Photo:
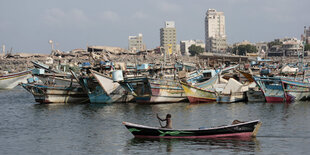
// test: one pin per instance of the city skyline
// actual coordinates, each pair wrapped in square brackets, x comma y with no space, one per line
[27,26]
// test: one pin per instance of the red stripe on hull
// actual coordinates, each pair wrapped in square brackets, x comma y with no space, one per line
[233,135]
[199,100]
[280,99]
[15,74]
[274,99]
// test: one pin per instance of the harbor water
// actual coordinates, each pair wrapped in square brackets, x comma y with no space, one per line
[30,128]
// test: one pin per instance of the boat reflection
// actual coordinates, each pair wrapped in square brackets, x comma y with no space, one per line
[236,145]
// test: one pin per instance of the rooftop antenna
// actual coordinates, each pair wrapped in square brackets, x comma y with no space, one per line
[3,50]
[303,49]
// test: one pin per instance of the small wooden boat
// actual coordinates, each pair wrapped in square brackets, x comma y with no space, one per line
[255,95]
[273,90]
[210,90]
[9,81]
[111,92]
[43,66]
[149,90]
[234,91]
[198,95]
[56,94]
[240,130]
[298,89]
[57,79]
[231,98]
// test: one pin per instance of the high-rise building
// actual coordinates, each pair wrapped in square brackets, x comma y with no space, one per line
[168,39]
[215,31]
[185,44]
[136,43]
[306,35]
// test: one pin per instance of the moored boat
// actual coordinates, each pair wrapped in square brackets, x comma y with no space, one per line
[9,81]
[202,92]
[255,95]
[198,95]
[113,91]
[233,91]
[57,79]
[231,98]
[239,130]
[298,89]
[56,94]
[273,89]
[149,90]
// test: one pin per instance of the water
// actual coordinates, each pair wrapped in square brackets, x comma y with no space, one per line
[30,128]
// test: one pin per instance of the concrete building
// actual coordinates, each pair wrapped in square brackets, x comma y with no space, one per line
[184,45]
[244,42]
[215,35]
[306,36]
[168,38]
[289,47]
[135,43]
[262,47]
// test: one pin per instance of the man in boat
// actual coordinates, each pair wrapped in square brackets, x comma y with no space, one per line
[167,120]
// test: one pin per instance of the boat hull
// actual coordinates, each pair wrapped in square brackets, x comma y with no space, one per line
[102,90]
[300,91]
[198,95]
[10,81]
[273,89]
[255,96]
[233,135]
[147,90]
[241,130]
[57,80]
[231,98]
[56,94]
[274,99]
[110,91]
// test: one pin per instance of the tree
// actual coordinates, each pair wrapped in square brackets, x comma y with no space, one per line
[243,49]
[307,47]
[195,50]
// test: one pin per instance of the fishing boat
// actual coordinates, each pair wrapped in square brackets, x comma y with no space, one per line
[113,92]
[300,91]
[101,88]
[239,130]
[57,79]
[210,90]
[273,90]
[231,98]
[233,91]
[254,95]
[9,81]
[203,92]
[198,95]
[37,64]
[150,90]
[56,93]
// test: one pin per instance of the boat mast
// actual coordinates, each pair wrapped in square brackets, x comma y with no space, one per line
[3,51]
[303,49]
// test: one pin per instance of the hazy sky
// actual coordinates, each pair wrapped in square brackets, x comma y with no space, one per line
[28,25]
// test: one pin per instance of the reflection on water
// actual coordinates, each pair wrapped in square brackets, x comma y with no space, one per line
[180,145]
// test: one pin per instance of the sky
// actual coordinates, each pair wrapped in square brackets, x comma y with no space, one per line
[28,25]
